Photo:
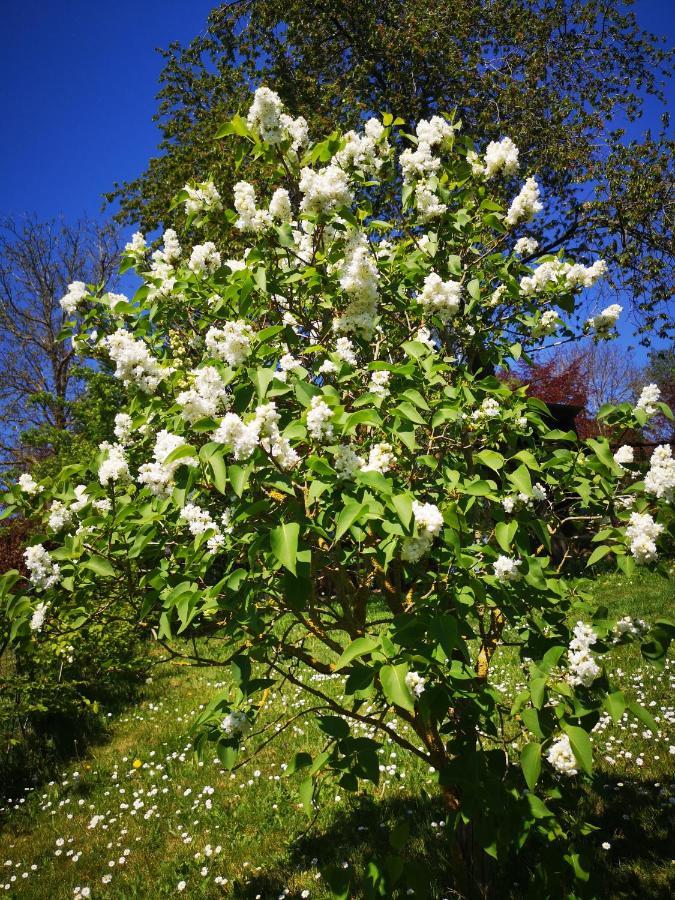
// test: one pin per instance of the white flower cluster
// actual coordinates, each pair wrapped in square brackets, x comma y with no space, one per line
[428,522]
[324,190]
[489,409]
[526,205]
[319,420]
[44,573]
[358,279]
[204,259]
[570,275]
[267,119]
[547,325]
[561,757]
[421,163]
[642,532]
[500,156]
[232,343]
[134,362]
[507,569]
[344,350]
[158,475]
[251,218]
[60,516]
[136,246]
[379,383]
[162,275]
[648,399]
[81,500]
[235,723]
[28,484]
[76,293]
[204,397]
[202,198]
[348,463]
[262,430]
[525,246]
[441,297]
[38,618]
[420,166]
[628,625]
[522,501]
[582,665]
[660,479]
[624,455]
[605,321]
[415,683]
[366,151]
[280,206]
[199,522]
[114,467]
[123,427]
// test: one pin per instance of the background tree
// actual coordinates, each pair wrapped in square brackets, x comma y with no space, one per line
[561,78]
[660,370]
[39,379]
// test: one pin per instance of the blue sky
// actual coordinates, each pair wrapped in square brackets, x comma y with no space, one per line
[78,81]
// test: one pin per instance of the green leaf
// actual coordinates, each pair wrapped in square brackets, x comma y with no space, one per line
[645,717]
[521,479]
[492,459]
[217,465]
[349,514]
[392,679]
[615,704]
[358,647]
[530,761]
[284,543]
[407,411]
[581,746]
[505,532]
[402,503]
[598,554]
[101,566]
[537,689]
[306,792]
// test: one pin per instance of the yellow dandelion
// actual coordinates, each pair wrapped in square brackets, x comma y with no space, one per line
[137,764]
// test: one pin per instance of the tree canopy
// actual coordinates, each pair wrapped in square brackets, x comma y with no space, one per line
[563,79]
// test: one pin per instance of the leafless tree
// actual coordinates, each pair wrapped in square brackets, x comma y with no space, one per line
[37,261]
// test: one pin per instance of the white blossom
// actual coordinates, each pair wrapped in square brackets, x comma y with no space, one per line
[38,617]
[441,297]
[526,205]
[44,573]
[158,475]
[28,484]
[204,397]
[582,665]
[114,467]
[501,156]
[204,259]
[123,427]
[605,321]
[251,218]
[525,246]
[280,206]
[380,458]
[235,723]
[648,399]
[319,416]
[76,293]
[379,382]
[324,190]
[660,479]
[232,343]
[344,350]
[202,198]
[507,569]
[134,363]
[624,455]
[561,757]
[358,279]
[642,532]
[415,683]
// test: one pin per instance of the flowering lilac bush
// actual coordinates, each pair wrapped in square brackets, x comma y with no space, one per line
[318,465]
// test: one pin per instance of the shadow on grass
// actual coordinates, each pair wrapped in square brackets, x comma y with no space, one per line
[635,818]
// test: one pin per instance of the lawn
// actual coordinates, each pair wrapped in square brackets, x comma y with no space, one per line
[138,816]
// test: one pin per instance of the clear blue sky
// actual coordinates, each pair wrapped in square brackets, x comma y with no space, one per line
[78,80]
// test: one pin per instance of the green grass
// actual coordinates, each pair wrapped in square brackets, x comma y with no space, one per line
[267,845]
